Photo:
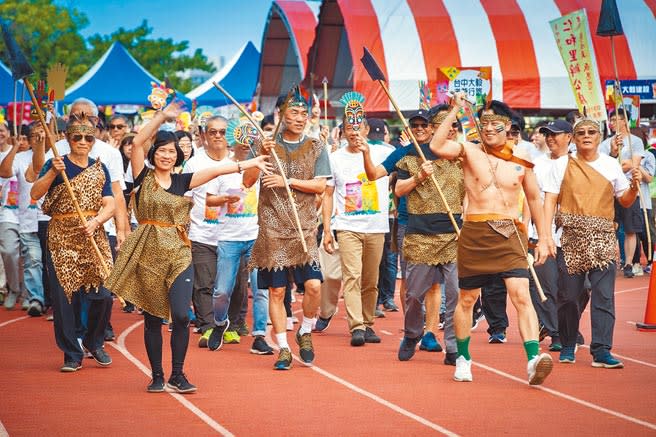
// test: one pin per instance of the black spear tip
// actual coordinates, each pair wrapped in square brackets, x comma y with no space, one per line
[371,66]
[609,19]
[20,68]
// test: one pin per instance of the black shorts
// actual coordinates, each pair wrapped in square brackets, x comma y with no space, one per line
[286,276]
[631,218]
[478,281]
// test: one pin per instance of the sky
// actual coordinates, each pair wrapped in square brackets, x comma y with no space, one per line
[219,27]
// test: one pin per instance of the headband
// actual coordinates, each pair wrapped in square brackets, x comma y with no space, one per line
[489,118]
[587,121]
[83,129]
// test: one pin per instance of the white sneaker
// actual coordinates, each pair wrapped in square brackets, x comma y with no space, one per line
[637,270]
[539,368]
[290,324]
[463,370]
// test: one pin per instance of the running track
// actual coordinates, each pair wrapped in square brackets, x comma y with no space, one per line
[350,391]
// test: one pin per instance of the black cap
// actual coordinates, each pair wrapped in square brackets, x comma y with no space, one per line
[376,129]
[422,113]
[556,127]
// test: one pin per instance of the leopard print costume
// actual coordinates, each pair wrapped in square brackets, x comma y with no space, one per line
[76,264]
[587,242]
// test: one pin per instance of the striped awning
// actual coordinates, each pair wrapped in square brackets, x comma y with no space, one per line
[412,39]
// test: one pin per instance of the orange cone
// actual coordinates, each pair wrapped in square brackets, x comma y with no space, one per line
[650,312]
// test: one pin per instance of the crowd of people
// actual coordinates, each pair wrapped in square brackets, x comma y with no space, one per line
[185,226]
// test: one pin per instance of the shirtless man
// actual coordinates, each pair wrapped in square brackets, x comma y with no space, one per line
[492,240]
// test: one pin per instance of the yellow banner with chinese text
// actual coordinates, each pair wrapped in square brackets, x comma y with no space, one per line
[573,39]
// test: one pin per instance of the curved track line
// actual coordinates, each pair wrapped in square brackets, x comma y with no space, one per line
[3,431]
[628,290]
[570,398]
[373,397]
[12,321]
[120,346]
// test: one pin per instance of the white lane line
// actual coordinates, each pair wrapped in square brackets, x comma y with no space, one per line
[369,395]
[3,430]
[570,398]
[624,357]
[120,346]
[628,290]
[386,332]
[12,321]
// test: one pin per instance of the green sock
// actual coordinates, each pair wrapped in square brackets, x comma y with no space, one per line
[463,347]
[532,348]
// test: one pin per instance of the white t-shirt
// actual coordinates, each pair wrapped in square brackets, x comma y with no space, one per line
[360,205]
[9,198]
[237,221]
[649,164]
[608,167]
[28,209]
[109,156]
[542,169]
[636,148]
[204,220]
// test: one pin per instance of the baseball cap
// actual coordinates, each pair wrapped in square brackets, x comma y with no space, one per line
[556,127]
[422,113]
[376,129]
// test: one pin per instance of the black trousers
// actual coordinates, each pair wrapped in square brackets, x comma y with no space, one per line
[602,305]
[179,299]
[203,258]
[547,311]
[42,232]
[494,300]
[66,318]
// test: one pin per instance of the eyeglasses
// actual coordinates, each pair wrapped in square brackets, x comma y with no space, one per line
[87,138]
[418,125]
[117,126]
[590,132]
[216,132]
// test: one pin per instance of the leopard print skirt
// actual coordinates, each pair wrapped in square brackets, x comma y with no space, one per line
[587,242]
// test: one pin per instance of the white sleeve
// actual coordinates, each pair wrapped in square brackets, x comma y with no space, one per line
[214,186]
[330,182]
[604,147]
[555,176]
[619,181]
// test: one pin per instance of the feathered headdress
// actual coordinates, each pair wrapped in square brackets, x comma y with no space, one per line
[353,108]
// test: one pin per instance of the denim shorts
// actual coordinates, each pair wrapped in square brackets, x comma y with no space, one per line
[288,275]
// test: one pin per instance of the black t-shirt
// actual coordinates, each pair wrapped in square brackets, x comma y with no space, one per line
[179,182]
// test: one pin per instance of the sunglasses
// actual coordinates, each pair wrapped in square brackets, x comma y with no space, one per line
[418,125]
[117,126]
[590,132]
[216,132]
[87,138]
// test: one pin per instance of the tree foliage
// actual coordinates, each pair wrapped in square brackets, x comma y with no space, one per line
[49,33]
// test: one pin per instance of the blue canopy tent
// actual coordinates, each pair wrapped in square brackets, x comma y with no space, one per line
[117,78]
[7,87]
[238,77]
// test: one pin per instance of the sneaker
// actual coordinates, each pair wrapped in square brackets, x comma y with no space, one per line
[628,271]
[290,324]
[202,341]
[129,308]
[2,297]
[260,346]
[35,309]
[284,361]
[463,370]
[555,346]
[101,357]
[306,350]
[10,300]
[25,304]
[539,368]
[156,384]
[407,348]
[637,270]
[497,338]
[607,361]
[478,316]
[70,366]
[440,325]
[429,343]
[370,336]
[50,318]
[109,334]
[357,337]
[379,314]
[215,340]
[323,324]
[231,337]
[85,351]
[567,355]
[180,384]
[543,333]
[647,269]
[389,305]
[450,358]
[242,329]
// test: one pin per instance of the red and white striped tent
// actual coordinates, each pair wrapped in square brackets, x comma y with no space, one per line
[411,39]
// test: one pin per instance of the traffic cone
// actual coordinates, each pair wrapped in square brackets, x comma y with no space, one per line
[650,312]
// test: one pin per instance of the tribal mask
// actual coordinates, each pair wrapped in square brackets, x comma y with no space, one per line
[159,95]
[241,131]
[353,109]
